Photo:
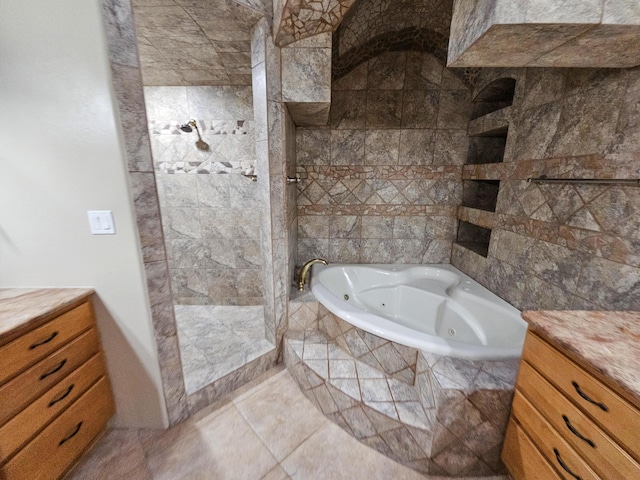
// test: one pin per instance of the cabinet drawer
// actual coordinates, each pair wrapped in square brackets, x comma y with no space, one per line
[29,385]
[53,451]
[557,451]
[19,430]
[523,460]
[614,414]
[40,342]
[601,452]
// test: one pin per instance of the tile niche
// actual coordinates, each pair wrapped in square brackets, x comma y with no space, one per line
[488,131]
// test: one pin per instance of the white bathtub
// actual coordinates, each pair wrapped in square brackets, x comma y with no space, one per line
[435,308]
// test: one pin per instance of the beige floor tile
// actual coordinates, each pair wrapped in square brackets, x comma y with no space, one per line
[332,454]
[115,455]
[154,441]
[220,447]
[277,473]
[281,415]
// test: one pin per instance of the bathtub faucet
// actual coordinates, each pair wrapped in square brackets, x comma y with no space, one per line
[306,271]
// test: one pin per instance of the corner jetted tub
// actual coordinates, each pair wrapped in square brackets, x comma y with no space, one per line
[434,308]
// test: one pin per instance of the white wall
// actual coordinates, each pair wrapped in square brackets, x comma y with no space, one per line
[60,155]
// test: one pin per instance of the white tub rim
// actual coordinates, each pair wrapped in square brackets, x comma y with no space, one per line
[395,332]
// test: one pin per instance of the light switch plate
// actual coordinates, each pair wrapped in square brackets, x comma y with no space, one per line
[101,222]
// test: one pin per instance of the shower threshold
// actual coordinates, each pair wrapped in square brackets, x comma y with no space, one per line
[216,340]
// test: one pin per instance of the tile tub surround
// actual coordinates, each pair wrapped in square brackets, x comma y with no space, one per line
[395,360]
[606,342]
[450,422]
[217,340]
[564,246]
[211,233]
[268,430]
[382,183]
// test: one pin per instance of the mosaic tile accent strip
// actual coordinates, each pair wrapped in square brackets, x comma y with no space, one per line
[211,127]
[450,420]
[298,19]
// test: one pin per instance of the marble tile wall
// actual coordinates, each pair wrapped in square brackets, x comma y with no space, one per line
[565,246]
[275,160]
[209,209]
[382,182]
[195,43]
[306,79]
[127,81]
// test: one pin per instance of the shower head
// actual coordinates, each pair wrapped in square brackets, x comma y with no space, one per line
[188,127]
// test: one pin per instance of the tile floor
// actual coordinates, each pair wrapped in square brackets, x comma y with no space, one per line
[266,430]
[216,340]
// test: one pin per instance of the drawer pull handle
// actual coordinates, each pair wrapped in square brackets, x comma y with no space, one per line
[564,466]
[51,372]
[573,430]
[46,340]
[71,435]
[584,395]
[61,397]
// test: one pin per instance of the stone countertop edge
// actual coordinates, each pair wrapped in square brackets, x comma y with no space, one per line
[607,343]
[22,309]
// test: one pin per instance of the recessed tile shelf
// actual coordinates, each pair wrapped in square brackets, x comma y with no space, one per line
[488,131]
[492,124]
[480,194]
[473,237]
[482,218]
[495,96]
[487,147]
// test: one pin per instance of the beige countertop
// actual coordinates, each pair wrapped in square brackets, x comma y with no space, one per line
[606,342]
[23,308]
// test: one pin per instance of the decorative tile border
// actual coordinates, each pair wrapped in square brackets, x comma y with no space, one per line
[206,127]
[201,168]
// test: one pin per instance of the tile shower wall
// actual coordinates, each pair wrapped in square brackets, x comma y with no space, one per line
[382,183]
[209,209]
[275,154]
[127,82]
[565,246]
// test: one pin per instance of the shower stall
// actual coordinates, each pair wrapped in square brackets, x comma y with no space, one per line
[202,142]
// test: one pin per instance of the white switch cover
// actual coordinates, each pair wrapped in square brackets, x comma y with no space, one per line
[101,222]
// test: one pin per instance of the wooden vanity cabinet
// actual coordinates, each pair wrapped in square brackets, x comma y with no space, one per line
[55,396]
[568,418]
